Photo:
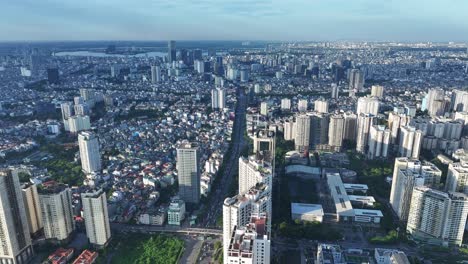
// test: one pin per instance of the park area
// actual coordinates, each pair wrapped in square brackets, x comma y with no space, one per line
[143,249]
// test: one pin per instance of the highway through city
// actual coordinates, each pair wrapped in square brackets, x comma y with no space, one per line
[214,208]
[148,229]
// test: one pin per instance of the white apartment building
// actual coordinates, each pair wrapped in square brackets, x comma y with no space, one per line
[32,206]
[89,152]
[96,218]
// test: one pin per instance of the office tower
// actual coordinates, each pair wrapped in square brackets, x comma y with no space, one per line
[89,152]
[410,142]
[356,80]
[238,210]
[32,206]
[364,123]
[367,105]
[155,74]
[350,126]
[379,140]
[435,100]
[407,174]
[250,243]
[96,218]
[188,172]
[302,138]
[264,108]
[15,241]
[78,123]
[289,130]
[302,105]
[457,177]
[218,98]
[329,253]
[321,106]
[171,51]
[377,91]
[253,171]
[335,91]
[53,75]
[437,217]
[285,104]
[57,212]
[81,109]
[395,122]
[459,101]
[67,112]
[244,75]
[336,131]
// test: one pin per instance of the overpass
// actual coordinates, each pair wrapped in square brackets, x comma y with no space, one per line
[165,229]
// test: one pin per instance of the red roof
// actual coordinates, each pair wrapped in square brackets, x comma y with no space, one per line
[86,257]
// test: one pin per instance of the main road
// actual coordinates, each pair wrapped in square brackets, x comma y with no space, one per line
[215,205]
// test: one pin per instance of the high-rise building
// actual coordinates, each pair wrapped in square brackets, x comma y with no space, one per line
[253,171]
[67,112]
[285,104]
[171,51]
[79,123]
[289,130]
[57,212]
[238,210]
[15,241]
[218,98]
[302,105]
[410,142]
[319,123]
[336,131]
[32,206]
[395,122]
[364,123]
[407,174]
[459,101]
[379,140]
[188,172]
[457,177]
[302,138]
[377,91]
[356,80]
[176,211]
[437,217]
[264,108]
[155,74]
[435,101]
[367,105]
[53,75]
[81,109]
[335,91]
[89,152]
[350,126]
[321,106]
[96,218]
[250,243]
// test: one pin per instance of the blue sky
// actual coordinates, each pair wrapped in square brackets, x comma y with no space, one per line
[373,20]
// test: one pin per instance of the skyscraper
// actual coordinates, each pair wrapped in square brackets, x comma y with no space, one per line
[377,91]
[336,131]
[321,106]
[96,218]
[435,101]
[457,177]
[188,172]
[155,74]
[437,217]
[379,140]
[302,138]
[57,212]
[32,206]
[395,122]
[367,105]
[171,51]
[350,126]
[252,172]
[67,112]
[335,91]
[302,105]
[285,104]
[407,174]
[356,81]
[218,98]
[364,122]
[89,152]
[410,142]
[319,123]
[15,241]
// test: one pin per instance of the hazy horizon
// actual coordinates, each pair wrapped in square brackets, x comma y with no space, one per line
[236,20]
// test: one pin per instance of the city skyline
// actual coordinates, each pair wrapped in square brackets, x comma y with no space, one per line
[298,20]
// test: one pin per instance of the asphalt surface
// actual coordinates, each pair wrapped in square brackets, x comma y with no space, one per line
[214,208]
